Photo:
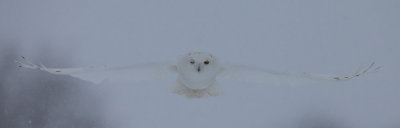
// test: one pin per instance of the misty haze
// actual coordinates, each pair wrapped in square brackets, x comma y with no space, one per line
[328,37]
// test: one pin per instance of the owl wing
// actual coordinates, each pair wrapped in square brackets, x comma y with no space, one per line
[123,74]
[250,74]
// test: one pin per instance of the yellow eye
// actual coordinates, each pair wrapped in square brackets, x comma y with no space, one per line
[206,62]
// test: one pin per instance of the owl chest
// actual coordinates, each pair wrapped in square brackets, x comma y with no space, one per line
[197,81]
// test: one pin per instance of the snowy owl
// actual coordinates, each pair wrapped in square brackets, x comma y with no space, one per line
[197,74]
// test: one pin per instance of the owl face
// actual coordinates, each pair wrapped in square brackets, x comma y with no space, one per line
[198,62]
[198,70]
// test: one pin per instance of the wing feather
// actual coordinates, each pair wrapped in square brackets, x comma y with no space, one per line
[123,74]
[251,74]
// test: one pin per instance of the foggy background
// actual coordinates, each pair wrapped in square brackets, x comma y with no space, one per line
[333,37]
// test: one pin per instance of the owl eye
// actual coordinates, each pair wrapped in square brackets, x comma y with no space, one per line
[192,61]
[206,62]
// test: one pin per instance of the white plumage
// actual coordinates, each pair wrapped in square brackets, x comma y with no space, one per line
[197,74]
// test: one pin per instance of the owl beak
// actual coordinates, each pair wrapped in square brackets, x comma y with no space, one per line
[198,68]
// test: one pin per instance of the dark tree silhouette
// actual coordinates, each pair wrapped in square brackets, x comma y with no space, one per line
[30,98]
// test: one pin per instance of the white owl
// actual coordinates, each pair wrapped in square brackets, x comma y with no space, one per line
[197,74]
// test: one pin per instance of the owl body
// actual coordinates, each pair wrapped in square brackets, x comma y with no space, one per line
[198,70]
[197,73]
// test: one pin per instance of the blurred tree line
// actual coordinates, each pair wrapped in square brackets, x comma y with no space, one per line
[34,99]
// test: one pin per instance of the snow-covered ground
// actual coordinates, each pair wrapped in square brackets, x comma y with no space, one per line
[333,37]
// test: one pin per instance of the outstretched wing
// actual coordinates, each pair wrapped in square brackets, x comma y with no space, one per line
[257,75]
[125,74]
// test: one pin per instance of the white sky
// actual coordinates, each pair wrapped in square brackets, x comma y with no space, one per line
[333,37]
